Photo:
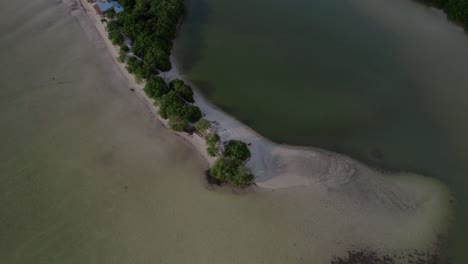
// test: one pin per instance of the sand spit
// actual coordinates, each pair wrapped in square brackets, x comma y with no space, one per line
[385,212]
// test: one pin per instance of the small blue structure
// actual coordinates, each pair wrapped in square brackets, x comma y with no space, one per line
[117,7]
[108,6]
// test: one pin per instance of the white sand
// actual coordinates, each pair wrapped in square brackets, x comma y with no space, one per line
[274,166]
[409,209]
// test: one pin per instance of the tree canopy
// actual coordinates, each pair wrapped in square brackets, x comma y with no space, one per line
[177,110]
[457,10]
[202,125]
[237,149]
[184,90]
[152,26]
[231,166]
[212,141]
[177,123]
[232,171]
[171,104]
[114,33]
[156,87]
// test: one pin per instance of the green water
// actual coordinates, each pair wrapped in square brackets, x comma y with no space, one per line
[382,81]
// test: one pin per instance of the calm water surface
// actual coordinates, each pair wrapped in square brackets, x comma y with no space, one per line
[382,81]
[88,176]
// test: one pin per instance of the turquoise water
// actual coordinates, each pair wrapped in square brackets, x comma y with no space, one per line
[384,82]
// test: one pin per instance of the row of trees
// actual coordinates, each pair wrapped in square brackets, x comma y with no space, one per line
[457,10]
[172,104]
[151,25]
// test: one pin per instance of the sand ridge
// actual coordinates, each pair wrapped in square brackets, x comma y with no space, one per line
[416,209]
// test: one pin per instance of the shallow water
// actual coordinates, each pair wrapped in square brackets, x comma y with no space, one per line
[87,175]
[382,81]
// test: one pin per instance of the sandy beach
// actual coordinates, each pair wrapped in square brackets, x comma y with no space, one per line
[407,210]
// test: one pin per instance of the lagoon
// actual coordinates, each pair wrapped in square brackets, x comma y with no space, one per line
[89,175]
[381,81]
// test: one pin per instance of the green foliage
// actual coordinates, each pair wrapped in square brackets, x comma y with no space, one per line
[212,151]
[110,15]
[185,91]
[202,125]
[457,10]
[122,55]
[177,123]
[156,87]
[237,149]
[243,177]
[171,105]
[232,171]
[103,20]
[139,77]
[114,33]
[127,4]
[212,143]
[191,113]
[113,25]
[125,48]
[224,168]
[135,66]
[231,167]
[212,139]
[116,37]
[152,27]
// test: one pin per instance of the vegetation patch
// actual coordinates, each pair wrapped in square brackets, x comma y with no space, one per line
[202,126]
[212,141]
[230,167]
[237,149]
[456,10]
[151,27]
[184,90]
[122,55]
[231,170]
[114,33]
[155,87]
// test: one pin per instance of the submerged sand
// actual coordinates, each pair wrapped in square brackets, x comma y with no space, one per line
[355,206]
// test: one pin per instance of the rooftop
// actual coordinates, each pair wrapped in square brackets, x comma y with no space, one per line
[117,7]
[110,5]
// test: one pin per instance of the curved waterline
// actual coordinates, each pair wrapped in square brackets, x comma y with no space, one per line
[431,139]
[335,181]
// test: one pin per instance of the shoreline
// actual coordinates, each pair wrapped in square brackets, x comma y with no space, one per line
[334,177]
[265,166]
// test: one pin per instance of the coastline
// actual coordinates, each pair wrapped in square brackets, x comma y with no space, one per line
[333,176]
[194,139]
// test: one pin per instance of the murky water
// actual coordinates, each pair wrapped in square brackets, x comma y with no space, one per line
[382,81]
[87,175]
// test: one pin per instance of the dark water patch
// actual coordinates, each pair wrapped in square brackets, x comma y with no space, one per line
[208,88]
[381,82]
[436,254]
[194,34]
